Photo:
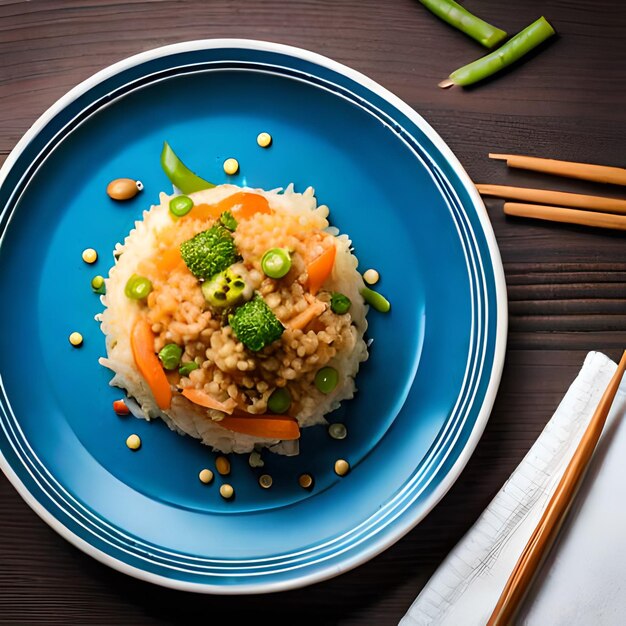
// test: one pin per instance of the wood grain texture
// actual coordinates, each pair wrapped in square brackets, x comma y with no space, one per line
[567,284]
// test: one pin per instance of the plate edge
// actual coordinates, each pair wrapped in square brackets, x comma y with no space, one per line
[501,310]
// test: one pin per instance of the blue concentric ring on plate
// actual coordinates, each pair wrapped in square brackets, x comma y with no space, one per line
[424,395]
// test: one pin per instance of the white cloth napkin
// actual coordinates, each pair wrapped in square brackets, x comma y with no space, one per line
[583,580]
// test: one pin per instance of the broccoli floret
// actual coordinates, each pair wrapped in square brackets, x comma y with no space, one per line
[228,221]
[209,252]
[255,325]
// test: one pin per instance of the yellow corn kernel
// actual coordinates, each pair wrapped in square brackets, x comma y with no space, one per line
[76,339]
[342,467]
[305,481]
[231,166]
[371,277]
[264,139]
[133,442]
[90,255]
[205,476]
[227,491]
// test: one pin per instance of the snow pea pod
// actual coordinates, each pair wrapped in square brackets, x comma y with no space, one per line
[453,13]
[510,52]
[180,175]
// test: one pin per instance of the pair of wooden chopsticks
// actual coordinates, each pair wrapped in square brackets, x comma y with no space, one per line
[557,206]
[554,515]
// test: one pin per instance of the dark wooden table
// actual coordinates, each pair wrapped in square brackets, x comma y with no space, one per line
[566,285]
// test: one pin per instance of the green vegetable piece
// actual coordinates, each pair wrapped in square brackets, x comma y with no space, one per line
[375,300]
[326,379]
[339,303]
[137,287]
[228,221]
[209,252]
[98,286]
[170,356]
[179,174]
[255,325]
[279,401]
[180,205]
[186,368]
[276,262]
[459,17]
[225,289]
[510,52]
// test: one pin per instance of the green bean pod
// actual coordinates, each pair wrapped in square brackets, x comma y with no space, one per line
[453,13]
[376,300]
[510,52]
[180,175]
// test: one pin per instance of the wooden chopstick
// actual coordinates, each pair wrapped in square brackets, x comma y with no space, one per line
[565,215]
[559,198]
[544,534]
[585,171]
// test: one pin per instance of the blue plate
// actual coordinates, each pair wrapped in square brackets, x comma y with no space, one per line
[424,395]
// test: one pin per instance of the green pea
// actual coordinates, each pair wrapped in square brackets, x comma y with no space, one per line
[279,401]
[170,356]
[375,300]
[326,379]
[186,368]
[138,287]
[276,262]
[339,303]
[98,286]
[181,205]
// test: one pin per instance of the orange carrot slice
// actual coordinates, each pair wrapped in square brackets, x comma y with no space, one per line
[320,269]
[168,260]
[266,426]
[204,212]
[120,408]
[242,205]
[148,364]
[202,398]
[303,319]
